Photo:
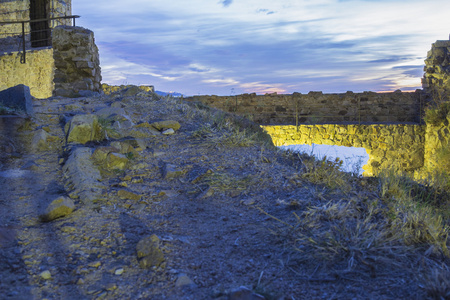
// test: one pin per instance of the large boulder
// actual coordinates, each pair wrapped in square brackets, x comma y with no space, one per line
[83,128]
[17,99]
[83,179]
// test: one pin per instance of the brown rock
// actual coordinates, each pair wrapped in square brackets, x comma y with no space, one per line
[58,208]
[124,194]
[148,252]
[116,161]
[166,125]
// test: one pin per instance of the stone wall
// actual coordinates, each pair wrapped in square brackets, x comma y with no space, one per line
[398,146]
[13,11]
[37,73]
[437,138]
[437,70]
[109,89]
[316,107]
[19,10]
[77,62]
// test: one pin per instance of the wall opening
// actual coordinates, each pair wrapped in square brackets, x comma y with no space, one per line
[40,31]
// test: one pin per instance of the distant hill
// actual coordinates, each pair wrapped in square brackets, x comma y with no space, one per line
[174,94]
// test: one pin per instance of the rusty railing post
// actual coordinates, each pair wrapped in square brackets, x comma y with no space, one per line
[23,58]
[296,113]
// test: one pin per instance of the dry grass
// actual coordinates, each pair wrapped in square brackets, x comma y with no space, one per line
[325,173]
[223,181]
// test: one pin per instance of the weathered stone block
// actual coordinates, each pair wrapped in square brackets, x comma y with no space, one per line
[17,98]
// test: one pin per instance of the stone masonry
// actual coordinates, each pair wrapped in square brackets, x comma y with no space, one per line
[437,70]
[77,62]
[316,107]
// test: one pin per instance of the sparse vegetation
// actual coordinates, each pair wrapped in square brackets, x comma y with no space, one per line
[438,108]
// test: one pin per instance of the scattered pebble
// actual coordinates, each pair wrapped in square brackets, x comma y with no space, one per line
[46,275]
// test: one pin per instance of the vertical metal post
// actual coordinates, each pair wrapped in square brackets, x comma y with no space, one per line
[296,113]
[23,59]
[73,21]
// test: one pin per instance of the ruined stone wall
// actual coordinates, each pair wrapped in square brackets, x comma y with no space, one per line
[400,146]
[9,34]
[13,11]
[77,62]
[37,73]
[436,79]
[19,10]
[437,138]
[316,107]
[109,89]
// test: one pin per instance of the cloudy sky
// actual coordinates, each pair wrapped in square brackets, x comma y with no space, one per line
[225,47]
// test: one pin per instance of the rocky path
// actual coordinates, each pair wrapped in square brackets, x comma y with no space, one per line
[181,219]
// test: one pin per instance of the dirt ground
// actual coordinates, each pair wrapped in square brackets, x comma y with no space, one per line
[222,220]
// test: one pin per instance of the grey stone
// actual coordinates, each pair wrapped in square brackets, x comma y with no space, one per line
[42,141]
[184,281]
[17,98]
[166,125]
[171,171]
[169,131]
[108,111]
[83,176]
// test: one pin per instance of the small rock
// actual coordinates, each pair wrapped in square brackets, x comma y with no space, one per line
[80,281]
[46,275]
[59,207]
[139,166]
[169,131]
[166,125]
[95,264]
[118,271]
[171,171]
[141,132]
[248,202]
[116,161]
[148,252]
[101,153]
[102,295]
[123,147]
[206,193]
[184,281]
[68,229]
[111,287]
[39,140]
[124,194]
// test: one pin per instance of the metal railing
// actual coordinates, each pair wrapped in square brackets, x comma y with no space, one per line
[38,37]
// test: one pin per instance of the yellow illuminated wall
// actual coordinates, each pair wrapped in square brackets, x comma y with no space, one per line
[400,147]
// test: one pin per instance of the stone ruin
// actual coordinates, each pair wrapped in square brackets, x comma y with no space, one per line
[77,62]
[436,79]
[59,60]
